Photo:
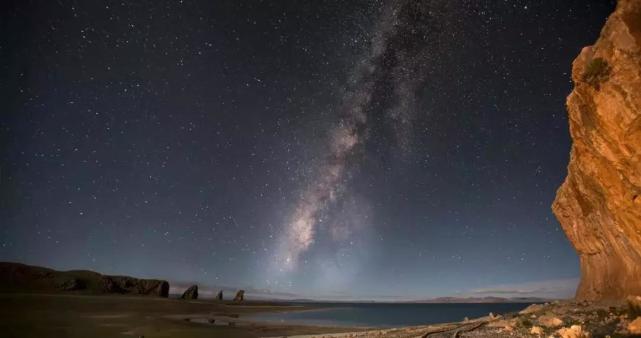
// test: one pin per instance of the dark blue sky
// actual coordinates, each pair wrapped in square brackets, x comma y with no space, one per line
[182,139]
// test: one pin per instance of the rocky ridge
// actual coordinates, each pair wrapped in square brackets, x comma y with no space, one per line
[16,277]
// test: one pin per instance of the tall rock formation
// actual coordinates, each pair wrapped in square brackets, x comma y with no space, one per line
[240,296]
[190,293]
[599,204]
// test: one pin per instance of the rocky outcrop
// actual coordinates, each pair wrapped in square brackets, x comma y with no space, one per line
[599,204]
[15,277]
[72,284]
[190,293]
[130,285]
[240,296]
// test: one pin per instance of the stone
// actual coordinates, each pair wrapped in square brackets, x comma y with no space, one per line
[240,296]
[634,305]
[634,327]
[599,203]
[531,309]
[550,321]
[574,331]
[507,329]
[190,293]
[219,296]
[537,330]
[503,324]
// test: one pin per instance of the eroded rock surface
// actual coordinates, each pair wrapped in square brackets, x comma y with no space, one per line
[599,204]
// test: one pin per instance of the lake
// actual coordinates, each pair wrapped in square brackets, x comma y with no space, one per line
[386,314]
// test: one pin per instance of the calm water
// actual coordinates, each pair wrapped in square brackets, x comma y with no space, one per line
[387,315]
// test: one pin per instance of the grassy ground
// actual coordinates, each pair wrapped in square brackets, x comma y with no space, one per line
[41,315]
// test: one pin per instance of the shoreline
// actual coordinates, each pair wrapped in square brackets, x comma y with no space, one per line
[98,316]
[64,315]
[310,330]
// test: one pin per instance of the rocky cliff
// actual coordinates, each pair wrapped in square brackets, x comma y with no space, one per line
[16,277]
[599,204]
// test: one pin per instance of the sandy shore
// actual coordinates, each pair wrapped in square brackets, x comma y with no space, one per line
[81,316]
[71,316]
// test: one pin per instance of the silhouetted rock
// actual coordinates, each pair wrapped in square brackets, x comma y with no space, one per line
[130,285]
[190,293]
[219,296]
[634,327]
[599,204]
[240,296]
[16,277]
[72,284]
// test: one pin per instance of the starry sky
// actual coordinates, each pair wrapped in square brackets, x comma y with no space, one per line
[323,149]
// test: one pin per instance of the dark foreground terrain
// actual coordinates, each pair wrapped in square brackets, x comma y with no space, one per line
[41,302]
[55,315]
[59,315]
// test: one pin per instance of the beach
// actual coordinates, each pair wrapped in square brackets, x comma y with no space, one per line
[50,315]
[55,315]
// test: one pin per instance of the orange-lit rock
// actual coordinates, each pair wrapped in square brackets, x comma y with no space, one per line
[599,204]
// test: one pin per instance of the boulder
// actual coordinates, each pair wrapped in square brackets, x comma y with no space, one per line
[634,305]
[574,331]
[190,293]
[599,203]
[550,321]
[537,330]
[634,327]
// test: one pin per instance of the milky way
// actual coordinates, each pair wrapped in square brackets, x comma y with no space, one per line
[381,90]
[407,148]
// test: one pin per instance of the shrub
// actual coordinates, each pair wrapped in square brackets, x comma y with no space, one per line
[596,72]
[525,322]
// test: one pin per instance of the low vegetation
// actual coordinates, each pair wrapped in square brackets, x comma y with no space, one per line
[596,72]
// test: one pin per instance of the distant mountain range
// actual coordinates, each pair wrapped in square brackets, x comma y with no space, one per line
[438,300]
[488,299]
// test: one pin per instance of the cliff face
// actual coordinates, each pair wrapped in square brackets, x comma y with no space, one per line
[15,277]
[599,204]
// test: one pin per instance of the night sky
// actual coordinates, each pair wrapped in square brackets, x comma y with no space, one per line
[324,149]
